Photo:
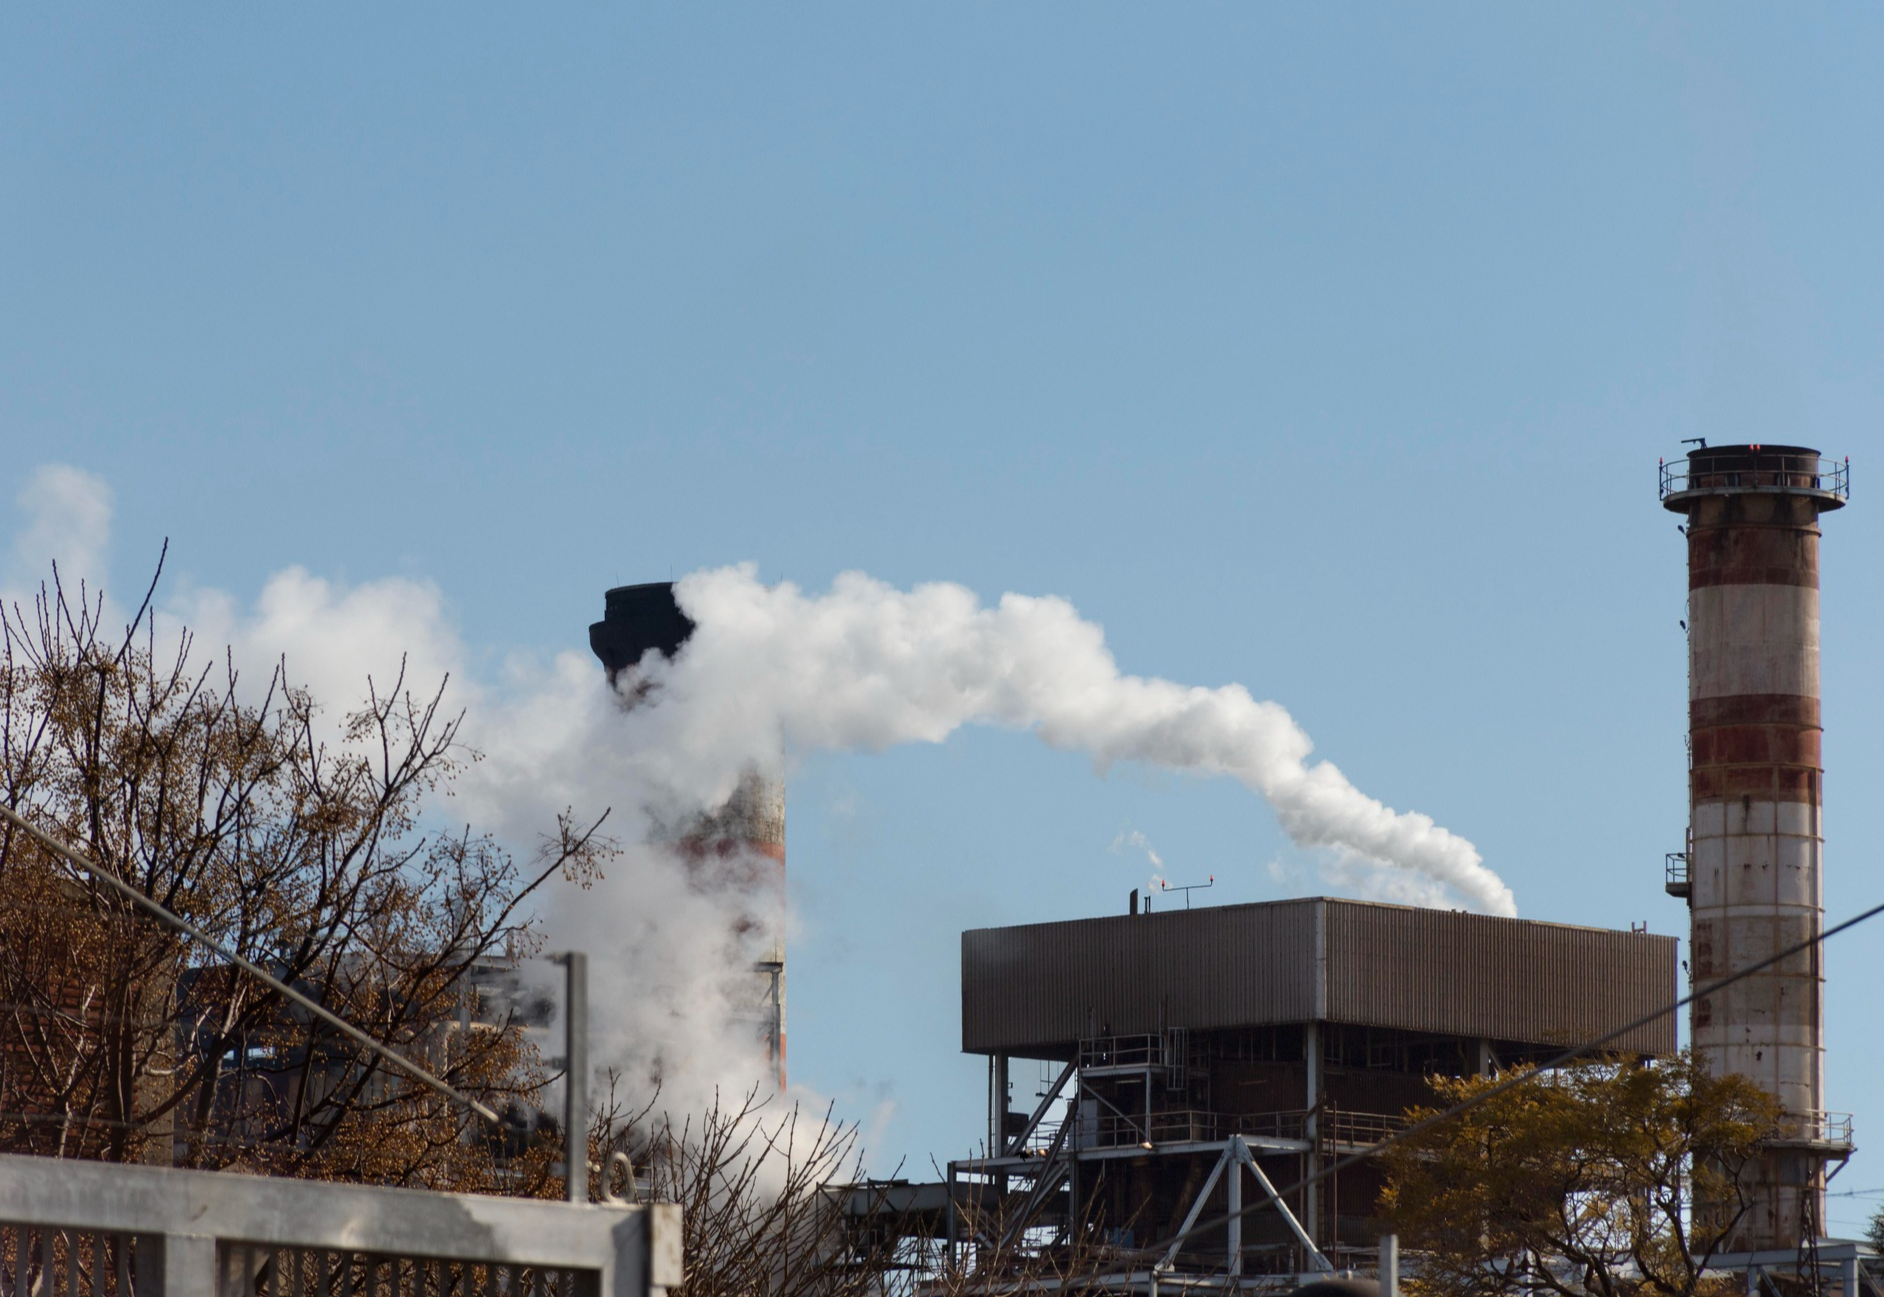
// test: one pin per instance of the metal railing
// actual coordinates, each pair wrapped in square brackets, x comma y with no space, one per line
[1184,1126]
[48,1261]
[69,1228]
[1160,1050]
[1824,1127]
[66,1263]
[1041,1138]
[1112,1130]
[1675,873]
[1336,1125]
[1775,472]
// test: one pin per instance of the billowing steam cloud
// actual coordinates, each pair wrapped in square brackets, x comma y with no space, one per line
[770,675]
[867,667]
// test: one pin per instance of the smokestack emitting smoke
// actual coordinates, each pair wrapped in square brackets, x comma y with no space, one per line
[748,832]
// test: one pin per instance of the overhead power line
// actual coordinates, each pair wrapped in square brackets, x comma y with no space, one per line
[99,873]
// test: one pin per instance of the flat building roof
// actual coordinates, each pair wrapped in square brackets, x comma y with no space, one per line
[1035,990]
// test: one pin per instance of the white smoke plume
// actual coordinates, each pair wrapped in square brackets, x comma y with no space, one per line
[867,667]
[1140,842]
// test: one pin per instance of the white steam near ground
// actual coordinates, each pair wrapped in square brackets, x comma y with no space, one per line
[771,675]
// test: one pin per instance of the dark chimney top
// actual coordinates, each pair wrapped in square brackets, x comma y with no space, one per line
[636,618]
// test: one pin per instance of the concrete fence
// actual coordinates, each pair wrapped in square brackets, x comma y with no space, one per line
[71,1228]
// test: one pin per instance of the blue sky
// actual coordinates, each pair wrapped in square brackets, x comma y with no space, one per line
[1326,349]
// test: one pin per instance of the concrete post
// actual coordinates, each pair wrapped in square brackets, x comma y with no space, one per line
[185,1264]
[576,1074]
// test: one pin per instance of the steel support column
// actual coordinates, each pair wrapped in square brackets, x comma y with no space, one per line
[1311,1129]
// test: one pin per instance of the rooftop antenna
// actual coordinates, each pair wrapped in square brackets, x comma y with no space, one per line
[1188,888]
[1695,441]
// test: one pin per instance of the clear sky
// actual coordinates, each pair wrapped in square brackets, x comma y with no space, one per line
[1328,349]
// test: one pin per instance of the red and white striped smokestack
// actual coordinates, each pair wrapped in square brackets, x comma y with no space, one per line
[746,835]
[1755,830]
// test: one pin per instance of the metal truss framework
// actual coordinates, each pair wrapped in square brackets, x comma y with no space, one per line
[1038,1169]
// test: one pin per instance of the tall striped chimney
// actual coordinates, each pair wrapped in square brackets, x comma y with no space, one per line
[743,839]
[1753,877]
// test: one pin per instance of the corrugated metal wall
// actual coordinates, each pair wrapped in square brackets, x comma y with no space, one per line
[1052,983]
[1035,990]
[1460,974]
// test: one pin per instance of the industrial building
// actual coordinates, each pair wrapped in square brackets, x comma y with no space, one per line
[1205,1059]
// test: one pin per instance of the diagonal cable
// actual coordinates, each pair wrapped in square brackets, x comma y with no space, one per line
[188,929]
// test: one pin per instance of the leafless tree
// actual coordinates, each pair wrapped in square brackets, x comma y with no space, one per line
[316,858]
[750,1177]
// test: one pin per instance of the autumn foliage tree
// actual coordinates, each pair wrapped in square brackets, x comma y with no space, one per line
[304,848]
[1604,1179]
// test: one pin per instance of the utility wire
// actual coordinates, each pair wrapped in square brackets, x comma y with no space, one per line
[188,929]
[1512,1082]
